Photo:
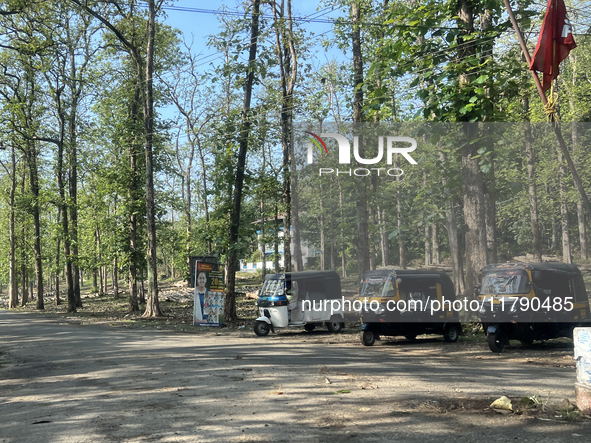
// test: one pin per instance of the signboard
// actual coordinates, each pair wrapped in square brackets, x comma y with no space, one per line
[209,296]
[193,259]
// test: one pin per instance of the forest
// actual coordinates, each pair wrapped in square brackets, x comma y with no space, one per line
[124,151]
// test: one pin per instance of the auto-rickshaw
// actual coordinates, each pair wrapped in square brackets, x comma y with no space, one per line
[400,302]
[299,299]
[531,301]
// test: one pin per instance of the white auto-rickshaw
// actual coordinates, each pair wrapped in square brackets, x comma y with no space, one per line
[300,299]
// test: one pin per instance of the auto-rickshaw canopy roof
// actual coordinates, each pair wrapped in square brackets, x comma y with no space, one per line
[317,284]
[545,266]
[419,275]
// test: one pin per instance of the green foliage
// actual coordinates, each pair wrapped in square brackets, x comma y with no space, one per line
[421,63]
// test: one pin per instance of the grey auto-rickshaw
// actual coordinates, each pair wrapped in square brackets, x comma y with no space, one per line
[299,299]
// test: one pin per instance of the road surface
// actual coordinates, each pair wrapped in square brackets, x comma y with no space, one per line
[65,382]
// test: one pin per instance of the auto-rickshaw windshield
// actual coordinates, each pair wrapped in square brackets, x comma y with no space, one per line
[502,283]
[273,288]
[377,288]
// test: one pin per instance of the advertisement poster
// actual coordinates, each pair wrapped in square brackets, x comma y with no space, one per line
[209,295]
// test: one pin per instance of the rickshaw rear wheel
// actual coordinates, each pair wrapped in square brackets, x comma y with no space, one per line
[496,341]
[368,338]
[261,328]
[451,333]
[335,326]
[309,327]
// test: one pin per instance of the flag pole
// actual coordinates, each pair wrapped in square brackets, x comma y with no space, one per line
[555,124]
[525,51]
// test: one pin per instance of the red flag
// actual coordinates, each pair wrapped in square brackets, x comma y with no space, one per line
[555,42]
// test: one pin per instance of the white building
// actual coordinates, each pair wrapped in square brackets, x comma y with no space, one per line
[307,252]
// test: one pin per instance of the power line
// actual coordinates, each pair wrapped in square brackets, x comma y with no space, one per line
[304,19]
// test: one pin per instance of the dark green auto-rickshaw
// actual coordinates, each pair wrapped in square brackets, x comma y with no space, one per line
[401,302]
[531,301]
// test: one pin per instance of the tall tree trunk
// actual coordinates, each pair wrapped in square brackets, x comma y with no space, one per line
[142,289]
[152,304]
[24,274]
[56,296]
[581,217]
[34,184]
[63,215]
[106,278]
[288,67]
[566,252]
[74,293]
[400,220]
[99,268]
[427,229]
[343,240]
[262,245]
[322,235]
[473,187]
[231,265]
[491,231]
[383,235]
[428,250]
[451,226]
[295,217]
[435,239]
[490,213]
[12,277]
[361,182]
[333,260]
[373,253]
[401,244]
[581,220]
[554,237]
[115,278]
[133,197]
[188,214]
[474,216]
[205,202]
[276,241]
[531,180]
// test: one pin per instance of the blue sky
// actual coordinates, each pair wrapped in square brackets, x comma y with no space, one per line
[200,24]
[197,20]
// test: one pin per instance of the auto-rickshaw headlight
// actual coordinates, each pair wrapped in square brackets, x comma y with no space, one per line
[486,305]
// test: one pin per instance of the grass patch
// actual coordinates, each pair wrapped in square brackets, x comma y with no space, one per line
[570,415]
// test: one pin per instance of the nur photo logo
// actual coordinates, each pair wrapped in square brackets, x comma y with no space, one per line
[394,145]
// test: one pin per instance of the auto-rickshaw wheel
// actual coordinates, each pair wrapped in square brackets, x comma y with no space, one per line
[309,327]
[451,333]
[527,342]
[411,336]
[261,328]
[335,326]
[368,338]
[496,341]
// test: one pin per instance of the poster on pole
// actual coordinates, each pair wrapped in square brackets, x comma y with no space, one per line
[209,296]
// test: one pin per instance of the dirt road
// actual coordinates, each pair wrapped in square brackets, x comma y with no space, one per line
[62,382]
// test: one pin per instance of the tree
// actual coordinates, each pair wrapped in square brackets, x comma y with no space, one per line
[245,126]
[144,79]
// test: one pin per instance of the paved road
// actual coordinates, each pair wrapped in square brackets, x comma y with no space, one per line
[63,382]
